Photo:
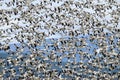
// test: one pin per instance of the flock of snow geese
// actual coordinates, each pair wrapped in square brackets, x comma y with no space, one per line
[59,39]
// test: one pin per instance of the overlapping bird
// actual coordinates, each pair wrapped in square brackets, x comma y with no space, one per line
[59,39]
